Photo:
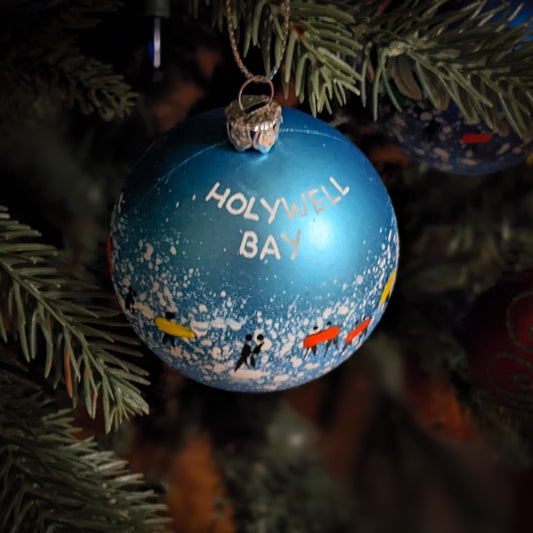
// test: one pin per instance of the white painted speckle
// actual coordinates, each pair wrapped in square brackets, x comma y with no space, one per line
[145,310]
[216,353]
[149,251]
[233,324]
[218,323]
[296,362]
[327,313]
[441,154]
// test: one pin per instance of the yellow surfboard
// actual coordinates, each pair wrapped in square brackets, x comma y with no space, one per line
[174,329]
[388,287]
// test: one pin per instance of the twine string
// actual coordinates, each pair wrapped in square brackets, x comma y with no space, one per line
[285,10]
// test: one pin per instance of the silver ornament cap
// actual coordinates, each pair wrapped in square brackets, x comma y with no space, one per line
[253,121]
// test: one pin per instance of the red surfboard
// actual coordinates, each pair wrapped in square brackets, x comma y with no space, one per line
[356,331]
[477,138]
[321,336]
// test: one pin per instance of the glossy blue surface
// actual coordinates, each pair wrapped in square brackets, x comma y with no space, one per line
[250,271]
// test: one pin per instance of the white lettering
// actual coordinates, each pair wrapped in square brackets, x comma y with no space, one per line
[248,213]
[344,191]
[237,197]
[220,197]
[270,248]
[315,202]
[294,208]
[272,210]
[248,246]
[295,243]
[331,200]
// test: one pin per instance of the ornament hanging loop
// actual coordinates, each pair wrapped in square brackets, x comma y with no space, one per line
[256,79]
[254,121]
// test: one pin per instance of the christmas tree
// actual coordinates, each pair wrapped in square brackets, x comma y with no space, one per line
[425,428]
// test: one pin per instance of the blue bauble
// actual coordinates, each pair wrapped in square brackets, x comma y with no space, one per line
[443,140]
[509,7]
[250,271]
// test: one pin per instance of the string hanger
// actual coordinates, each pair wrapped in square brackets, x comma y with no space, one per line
[254,121]
[285,10]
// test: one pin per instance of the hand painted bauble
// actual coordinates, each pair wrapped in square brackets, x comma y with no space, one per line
[250,271]
[443,140]
[498,336]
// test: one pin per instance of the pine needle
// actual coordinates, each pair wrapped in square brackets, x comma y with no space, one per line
[63,323]
[471,55]
[51,481]
[41,59]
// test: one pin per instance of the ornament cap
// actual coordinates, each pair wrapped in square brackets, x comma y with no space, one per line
[253,121]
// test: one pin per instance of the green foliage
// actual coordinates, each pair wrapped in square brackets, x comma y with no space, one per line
[42,64]
[51,481]
[286,495]
[320,49]
[320,55]
[469,56]
[70,326]
[419,48]
[276,482]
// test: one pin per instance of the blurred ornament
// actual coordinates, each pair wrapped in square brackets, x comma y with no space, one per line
[196,491]
[498,336]
[432,399]
[521,11]
[250,271]
[442,139]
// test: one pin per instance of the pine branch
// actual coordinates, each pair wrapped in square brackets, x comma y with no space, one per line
[50,481]
[470,56]
[67,324]
[320,46]
[43,62]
